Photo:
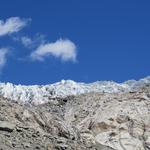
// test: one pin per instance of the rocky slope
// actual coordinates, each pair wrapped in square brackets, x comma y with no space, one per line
[89,121]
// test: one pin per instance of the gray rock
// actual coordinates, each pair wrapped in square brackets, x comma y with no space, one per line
[7,126]
[94,121]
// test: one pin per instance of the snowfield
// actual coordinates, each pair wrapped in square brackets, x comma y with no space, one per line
[39,94]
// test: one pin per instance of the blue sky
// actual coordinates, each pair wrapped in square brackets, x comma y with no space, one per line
[44,41]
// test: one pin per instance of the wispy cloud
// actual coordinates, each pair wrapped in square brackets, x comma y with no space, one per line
[12,25]
[26,41]
[63,49]
[30,42]
[3,57]
[33,42]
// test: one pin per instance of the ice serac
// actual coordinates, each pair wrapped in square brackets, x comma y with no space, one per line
[36,94]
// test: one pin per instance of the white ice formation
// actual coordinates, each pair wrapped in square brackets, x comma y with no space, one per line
[39,94]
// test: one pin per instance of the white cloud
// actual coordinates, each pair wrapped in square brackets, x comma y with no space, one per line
[26,41]
[34,42]
[3,55]
[12,25]
[63,49]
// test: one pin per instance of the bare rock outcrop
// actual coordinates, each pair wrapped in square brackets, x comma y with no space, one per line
[93,121]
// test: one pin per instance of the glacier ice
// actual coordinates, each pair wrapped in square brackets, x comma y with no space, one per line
[39,94]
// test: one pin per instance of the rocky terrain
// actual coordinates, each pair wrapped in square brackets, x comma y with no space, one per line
[89,121]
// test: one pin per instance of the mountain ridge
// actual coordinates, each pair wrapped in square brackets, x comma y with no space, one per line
[39,94]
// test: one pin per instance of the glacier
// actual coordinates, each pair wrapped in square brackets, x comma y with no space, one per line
[40,94]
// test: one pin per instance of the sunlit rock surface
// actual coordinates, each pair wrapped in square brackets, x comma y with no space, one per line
[95,120]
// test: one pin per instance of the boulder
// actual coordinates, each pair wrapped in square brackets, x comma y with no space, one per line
[7,126]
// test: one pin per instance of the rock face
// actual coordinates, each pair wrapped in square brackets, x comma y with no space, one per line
[93,121]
